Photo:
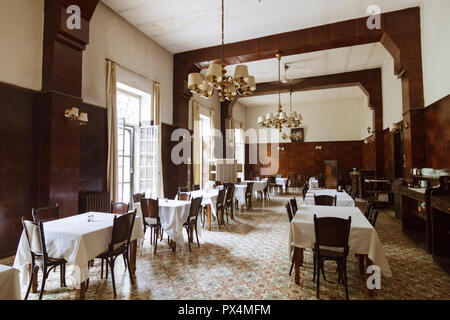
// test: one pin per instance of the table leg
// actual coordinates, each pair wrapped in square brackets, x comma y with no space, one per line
[368,263]
[80,292]
[132,256]
[298,261]
[34,286]
[208,213]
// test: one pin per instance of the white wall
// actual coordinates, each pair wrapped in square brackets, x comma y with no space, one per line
[114,38]
[206,105]
[239,114]
[435,25]
[337,120]
[21,38]
[392,95]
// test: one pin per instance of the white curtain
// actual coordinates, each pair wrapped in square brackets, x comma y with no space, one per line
[157,117]
[197,142]
[111,105]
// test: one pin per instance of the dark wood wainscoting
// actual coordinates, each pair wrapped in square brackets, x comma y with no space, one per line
[369,155]
[437,138]
[305,159]
[94,150]
[19,163]
[388,155]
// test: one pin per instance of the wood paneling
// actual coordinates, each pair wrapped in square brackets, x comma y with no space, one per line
[437,140]
[94,150]
[18,163]
[388,155]
[369,155]
[303,158]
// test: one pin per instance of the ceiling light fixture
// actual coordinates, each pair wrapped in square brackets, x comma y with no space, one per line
[216,77]
[280,119]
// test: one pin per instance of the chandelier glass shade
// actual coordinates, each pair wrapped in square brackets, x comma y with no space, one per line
[280,119]
[217,79]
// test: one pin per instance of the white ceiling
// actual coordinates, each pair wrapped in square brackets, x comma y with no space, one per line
[183,25]
[331,94]
[319,63]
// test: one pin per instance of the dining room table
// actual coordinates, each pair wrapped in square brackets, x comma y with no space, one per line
[363,238]
[173,214]
[343,198]
[209,202]
[77,239]
[9,283]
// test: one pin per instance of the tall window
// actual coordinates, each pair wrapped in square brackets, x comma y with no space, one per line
[137,144]
[239,148]
[205,129]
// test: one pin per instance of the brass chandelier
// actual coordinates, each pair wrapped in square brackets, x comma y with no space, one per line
[216,77]
[280,119]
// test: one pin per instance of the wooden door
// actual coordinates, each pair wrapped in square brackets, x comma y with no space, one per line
[331,174]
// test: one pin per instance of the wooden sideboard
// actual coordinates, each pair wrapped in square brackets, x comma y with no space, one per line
[358,183]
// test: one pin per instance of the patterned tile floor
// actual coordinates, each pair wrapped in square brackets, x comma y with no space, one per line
[247,259]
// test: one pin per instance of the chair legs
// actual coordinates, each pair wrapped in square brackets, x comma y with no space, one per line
[342,274]
[110,261]
[196,234]
[34,270]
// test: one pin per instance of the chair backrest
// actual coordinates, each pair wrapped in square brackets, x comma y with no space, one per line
[119,207]
[150,208]
[34,232]
[294,206]
[138,196]
[196,204]
[305,190]
[46,214]
[287,181]
[325,200]
[195,187]
[289,211]
[122,228]
[298,178]
[184,196]
[373,215]
[249,190]
[368,209]
[221,197]
[230,193]
[332,232]
[218,183]
[182,189]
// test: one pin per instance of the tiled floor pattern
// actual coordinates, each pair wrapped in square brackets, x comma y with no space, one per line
[248,259]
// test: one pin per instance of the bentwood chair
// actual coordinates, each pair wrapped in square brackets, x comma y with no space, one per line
[229,205]
[249,196]
[192,219]
[45,214]
[195,187]
[138,196]
[150,213]
[271,183]
[119,245]
[332,236]
[324,200]
[220,205]
[34,232]
[183,189]
[372,217]
[290,217]
[184,196]
[119,207]
[294,205]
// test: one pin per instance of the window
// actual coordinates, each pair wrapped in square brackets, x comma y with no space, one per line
[137,138]
[239,148]
[205,129]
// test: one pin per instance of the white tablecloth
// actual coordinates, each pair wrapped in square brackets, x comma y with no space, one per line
[76,240]
[9,283]
[209,197]
[343,199]
[239,193]
[313,183]
[257,185]
[173,214]
[363,237]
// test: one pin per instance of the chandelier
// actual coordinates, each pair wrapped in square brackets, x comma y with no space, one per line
[216,77]
[280,118]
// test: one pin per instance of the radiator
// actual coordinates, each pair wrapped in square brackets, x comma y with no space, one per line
[94,201]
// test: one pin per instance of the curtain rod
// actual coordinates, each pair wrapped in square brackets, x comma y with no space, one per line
[131,70]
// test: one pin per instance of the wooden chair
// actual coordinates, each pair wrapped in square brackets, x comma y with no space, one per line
[249,195]
[324,200]
[138,196]
[119,207]
[265,193]
[331,244]
[192,219]
[220,208]
[294,205]
[305,190]
[119,245]
[229,205]
[45,214]
[286,187]
[290,217]
[195,187]
[183,189]
[373,215]
[184,196]
[150,214]
[218,183]
[271,182]
[34,232]
[297,181]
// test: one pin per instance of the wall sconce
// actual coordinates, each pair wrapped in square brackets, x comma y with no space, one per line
[396,127]
[74,114]
[318,148]
[369,139]
[369,130]
[405,124]
[281,149]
